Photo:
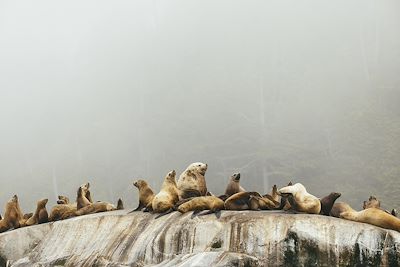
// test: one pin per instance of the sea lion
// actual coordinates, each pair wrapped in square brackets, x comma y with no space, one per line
[40,215]
[64,210]
[300,200]
[13,217]
[191,182]
[165,200]
[327,203]
[272,199]
[81,199]
[212,203]
[262,203]
[274,193]
[240,201]
[233,186]
[96,207]
[285,205]
[61,211]
[146,195]
[338,208]
[373,202]
[373,216]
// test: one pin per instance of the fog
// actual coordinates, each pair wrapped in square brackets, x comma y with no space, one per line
[108,93]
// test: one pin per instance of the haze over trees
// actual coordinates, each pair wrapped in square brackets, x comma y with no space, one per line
[108,93]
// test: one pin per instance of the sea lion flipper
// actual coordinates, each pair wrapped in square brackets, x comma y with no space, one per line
[139,207]
[218,214]
[164,213]
[195,213]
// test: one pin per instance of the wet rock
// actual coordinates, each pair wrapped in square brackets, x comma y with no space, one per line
[245,238]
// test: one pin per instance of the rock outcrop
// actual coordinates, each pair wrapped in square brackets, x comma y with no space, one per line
[245,238]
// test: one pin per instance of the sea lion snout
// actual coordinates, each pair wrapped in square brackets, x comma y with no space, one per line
[236,176]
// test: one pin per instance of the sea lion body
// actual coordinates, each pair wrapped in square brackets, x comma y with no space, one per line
[96,207]
[212,203]
[146,194]
[40,215]
[373,216]
[262,203]
[240,201]
[233,186]
[13,217]
[83,198]
[60,211]
[340,207]
[168,195]
[191,182]
[327,203]
[300,199]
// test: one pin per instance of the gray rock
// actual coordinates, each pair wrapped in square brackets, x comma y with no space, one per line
[245,238]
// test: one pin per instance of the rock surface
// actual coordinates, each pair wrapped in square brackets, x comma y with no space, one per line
[246,238]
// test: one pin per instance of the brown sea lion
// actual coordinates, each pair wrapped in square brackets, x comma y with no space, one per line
[165,200]
[13,217]
[240,201]
[300,200]
[262,203]
[96,207]
[191,182]
[146,195]
[40,215]
[274,193]
[327,203]
[373,202]
[373,216]
[212,203]
[233,186]
[62,211]
[285,205]
[81,199]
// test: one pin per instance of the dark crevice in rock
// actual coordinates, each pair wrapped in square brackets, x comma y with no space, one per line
[3,262]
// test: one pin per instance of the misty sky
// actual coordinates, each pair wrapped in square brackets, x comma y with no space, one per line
[108,92]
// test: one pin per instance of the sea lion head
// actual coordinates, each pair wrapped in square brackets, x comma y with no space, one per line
[84,189]
[236,177]
[198,167]
[335,195]
[171,176]
[140,183]
[42,203]
[63,200]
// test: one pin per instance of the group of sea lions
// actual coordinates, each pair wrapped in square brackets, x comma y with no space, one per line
[189,193]
[14,217]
